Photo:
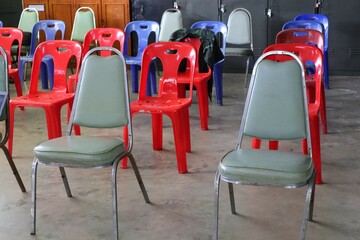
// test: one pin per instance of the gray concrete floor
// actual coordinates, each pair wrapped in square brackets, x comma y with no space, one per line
[182,204]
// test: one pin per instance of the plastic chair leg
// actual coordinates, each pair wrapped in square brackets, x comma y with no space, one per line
[326,70]
[218,71]
[157,131]
[203,103]
[134,78]
[124,161]
[316,147]
[17,82]
[179,137]
[12,108]
[323,111]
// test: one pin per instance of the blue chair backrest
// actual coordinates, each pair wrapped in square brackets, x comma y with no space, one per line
[318,18]
[1,24]
[216,27]
[143,30]
[50,28]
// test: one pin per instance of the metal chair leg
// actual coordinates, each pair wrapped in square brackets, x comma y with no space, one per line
[114,199]
[311,209]
[33,197]
[215,235]
[138,177]
[66,183]
[247,72]
[232,199]
[13,168]
[309,195]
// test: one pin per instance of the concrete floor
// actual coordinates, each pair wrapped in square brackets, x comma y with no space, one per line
[182,205]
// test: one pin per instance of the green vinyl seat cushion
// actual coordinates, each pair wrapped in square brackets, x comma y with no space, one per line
[82,151]
[266,167]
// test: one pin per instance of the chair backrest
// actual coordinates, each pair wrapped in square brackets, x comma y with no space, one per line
[216,27]
[171,55]
[197,45]
[83,22]
[4,87]
[1,24]
[50,29]
[104,37]
[61,52]
[171,20]
[307,24]
[28,18]
[8,36]
[240,27]
[105,103]
[143,30]
[276,104]
[321,18]
[299,35]
[309,55]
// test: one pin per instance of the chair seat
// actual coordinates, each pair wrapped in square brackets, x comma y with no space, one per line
[42,98]
[84,151]
[159,104]
[266,167]
[238,52]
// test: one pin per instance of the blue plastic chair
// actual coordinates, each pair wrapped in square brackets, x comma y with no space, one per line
[50,28]
[216,27]
[1,24]
[143,31]
[325,22]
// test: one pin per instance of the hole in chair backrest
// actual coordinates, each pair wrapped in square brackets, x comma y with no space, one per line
[62,49]
[210,27]
[5,34]
[144,26]
[106,35]
[300,34]
[51,25]
[171,51]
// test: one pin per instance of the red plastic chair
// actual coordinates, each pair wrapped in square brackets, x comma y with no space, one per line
[201,84]
[7,38]
[313,37]
[61,51]
[102,37]
[168,101]
[306,53]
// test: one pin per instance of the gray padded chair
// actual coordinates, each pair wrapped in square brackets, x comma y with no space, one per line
[171,20]
[94,91]
[240,38]
[4,116]
[275,108]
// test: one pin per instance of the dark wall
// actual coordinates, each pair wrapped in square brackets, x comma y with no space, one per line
[10,11]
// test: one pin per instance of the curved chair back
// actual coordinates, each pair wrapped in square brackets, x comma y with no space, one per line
[143,30]
[50,29]
[8,36]
[298,35]
[171,55]
[306,53]
[281,74]
[216,27]
[61,52]
[171,20]
[28,18]
[318,18]
[240,27]
[1,24]
[83,22]
[112,92]
[307,24]
[104,37]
